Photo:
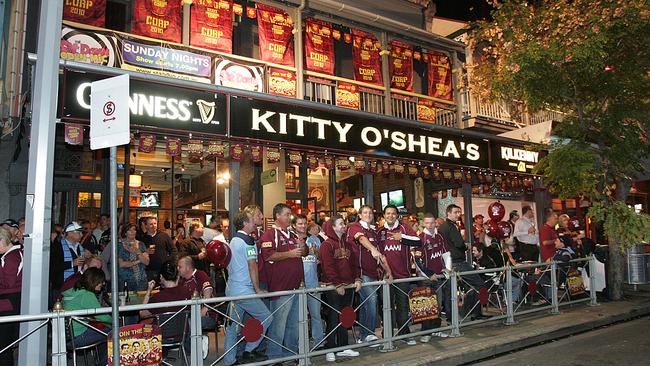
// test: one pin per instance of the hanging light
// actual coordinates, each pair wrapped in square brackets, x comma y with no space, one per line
[135,181]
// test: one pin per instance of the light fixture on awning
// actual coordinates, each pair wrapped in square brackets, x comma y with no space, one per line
[135,181]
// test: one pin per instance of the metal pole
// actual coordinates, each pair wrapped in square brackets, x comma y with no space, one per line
[299,51]
[59,357]
[385,74]
[510,311]
[114,285]
[469,221]
[38,210]
[592,281]
[303,328]
[388,318]
[555,308]
[455,322]
[195,332]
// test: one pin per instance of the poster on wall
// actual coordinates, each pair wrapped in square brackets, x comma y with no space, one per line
[86,12]
[440,85]
[90,47]
[366,58]
[159,19]
[165,61]
[347,95]
[235,73]
[211,24]
[426,110]
[319,46]
[275,29]
[140,344]
[282,82]
[401,65]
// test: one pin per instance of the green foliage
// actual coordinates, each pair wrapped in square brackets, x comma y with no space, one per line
[622,223]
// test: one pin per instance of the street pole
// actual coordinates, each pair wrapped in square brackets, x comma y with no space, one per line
[38,214]
[114,284]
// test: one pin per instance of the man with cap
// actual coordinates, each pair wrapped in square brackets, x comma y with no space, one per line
[11,225]
[66,256]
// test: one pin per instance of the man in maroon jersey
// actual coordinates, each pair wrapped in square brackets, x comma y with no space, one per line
[395,240]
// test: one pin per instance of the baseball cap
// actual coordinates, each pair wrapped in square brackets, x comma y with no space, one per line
[73,226]
[10,222]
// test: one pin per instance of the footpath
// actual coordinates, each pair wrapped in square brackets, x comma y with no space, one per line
[485,340]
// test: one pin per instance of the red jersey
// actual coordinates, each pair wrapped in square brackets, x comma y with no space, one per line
[198,282]
[547,233]
[398,252]
[261,274]
[433,248]
[337,260]
[286,274]
[168,294]
[365,262]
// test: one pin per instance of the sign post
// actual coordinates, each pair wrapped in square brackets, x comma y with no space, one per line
[109,127]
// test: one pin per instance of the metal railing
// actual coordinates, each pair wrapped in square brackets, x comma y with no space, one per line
[500,112]
[545,281]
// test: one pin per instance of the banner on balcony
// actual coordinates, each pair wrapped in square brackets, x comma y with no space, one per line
[211,24]
[365,57]
[401,65]
[426,110]
[275,29]
[440,85]
[86,12]
[235,73]
[89,47]
[347,95]
[160,19]
[319,46]
[282,82]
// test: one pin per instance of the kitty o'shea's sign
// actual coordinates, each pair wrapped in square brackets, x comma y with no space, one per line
[160,19]
[275,29]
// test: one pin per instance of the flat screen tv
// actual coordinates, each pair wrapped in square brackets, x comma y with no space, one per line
[150,199]
[396,198]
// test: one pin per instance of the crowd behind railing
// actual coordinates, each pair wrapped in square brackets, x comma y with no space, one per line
[297,289]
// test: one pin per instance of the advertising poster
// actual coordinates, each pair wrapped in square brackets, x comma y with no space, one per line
[211,24]
[235,73]
[91,12]
[166,61]
[423,304]
[160,19]
[440,76]
[74,134]
[366,58]
[140,345]
[426,110]
[319,46]
[347,95]
[401,65]
[89,47]
[275,35]
[282,82]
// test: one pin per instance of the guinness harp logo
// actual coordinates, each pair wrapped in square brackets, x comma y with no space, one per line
[206,109]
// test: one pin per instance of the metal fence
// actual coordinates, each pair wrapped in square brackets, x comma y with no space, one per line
[503,293]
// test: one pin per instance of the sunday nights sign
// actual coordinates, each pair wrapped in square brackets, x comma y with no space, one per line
[262,120]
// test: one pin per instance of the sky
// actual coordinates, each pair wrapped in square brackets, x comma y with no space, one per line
[467,10]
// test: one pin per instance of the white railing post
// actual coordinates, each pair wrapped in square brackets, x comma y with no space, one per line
[455,321]
[554,301]
[303,328]
[59,357]
[592,281]
[388,318]
[510,311]
[196,358]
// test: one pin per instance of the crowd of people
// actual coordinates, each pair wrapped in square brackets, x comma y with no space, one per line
[349,252]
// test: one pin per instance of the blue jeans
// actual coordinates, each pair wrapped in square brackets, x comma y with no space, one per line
[90,336]
[368,311]
[313,305]
[284,327]
[254,308]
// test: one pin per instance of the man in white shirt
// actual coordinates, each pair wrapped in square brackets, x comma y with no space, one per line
[213,231]
[527,235]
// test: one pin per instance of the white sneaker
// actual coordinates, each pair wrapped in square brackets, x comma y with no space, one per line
[371,338]
[425,339]
[410,342]
[205,346]
[440,334]
[348,353]
[330,357]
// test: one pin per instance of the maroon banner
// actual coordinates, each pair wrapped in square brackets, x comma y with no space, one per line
[295,157]
[426,110]
[147,143]
[74,134]
[195,149]
[398,167]
[401,65]
[160,19]
[238,9]
[440,76]
[360,165]
[275,35]
[211,24]
[85,12]
[365,57]
[237,152]
[256,153]
[426,173]
[347,95]
[216,150]
[319,46]
[373,167]
[343,163]
[413,170]
[282,82]
[173,147]
[312,161]
[272,155]
[328,161]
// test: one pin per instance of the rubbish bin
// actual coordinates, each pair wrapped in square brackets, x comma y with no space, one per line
[637,265]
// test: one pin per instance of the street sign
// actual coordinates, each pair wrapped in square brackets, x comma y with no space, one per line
[109,112]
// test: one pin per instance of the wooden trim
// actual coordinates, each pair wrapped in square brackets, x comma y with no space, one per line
[338,78]
[411,94]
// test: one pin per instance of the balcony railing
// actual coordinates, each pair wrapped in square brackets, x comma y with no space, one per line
[504,114]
